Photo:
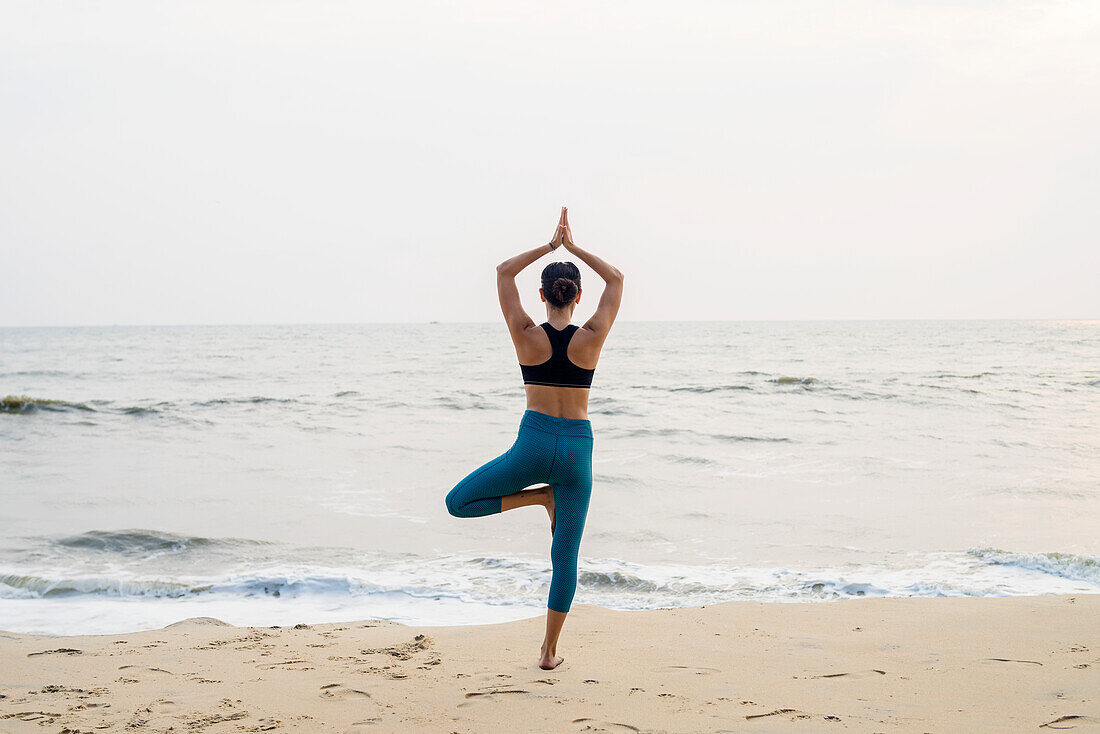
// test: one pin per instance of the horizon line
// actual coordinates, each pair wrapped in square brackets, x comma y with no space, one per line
[501,322]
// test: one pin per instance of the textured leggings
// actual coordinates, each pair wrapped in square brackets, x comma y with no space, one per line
[548,450]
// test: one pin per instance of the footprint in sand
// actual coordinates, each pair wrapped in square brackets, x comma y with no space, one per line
[361,727]
[1069,722]
[597,725]
[286,665]
[696,669]
[337,690]
[790,714]
[856,675]
[162,706]
[58,651]
[495,692]
[404,651]
[144,669]
[199,723]
[794,715]
[492,692]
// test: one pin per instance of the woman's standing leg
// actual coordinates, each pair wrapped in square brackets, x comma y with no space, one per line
[572,493]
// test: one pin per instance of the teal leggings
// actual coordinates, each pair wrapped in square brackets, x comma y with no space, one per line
[548,450]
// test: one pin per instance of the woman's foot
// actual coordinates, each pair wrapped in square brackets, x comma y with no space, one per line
[550,661]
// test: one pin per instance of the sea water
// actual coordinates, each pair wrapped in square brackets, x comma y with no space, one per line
[281,474]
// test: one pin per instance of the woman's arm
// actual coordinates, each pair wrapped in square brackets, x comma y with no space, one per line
[608,306]
[513,266]
[510,305]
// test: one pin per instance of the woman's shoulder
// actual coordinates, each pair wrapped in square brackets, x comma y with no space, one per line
[585,346]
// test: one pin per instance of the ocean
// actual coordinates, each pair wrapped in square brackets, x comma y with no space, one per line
[272,475]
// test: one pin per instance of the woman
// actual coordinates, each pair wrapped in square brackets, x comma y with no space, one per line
[554,446]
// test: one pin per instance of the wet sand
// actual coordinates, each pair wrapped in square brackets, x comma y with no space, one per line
[867,665]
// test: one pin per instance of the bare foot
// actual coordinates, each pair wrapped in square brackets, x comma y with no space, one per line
[549,662]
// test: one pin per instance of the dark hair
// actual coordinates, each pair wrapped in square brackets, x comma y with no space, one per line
[561,282]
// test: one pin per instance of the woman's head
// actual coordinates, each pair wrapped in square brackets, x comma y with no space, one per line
[561,283]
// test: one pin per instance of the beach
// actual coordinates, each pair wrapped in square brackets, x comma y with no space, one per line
[861,665]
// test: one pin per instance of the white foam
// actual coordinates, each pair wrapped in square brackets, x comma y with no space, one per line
[470,590]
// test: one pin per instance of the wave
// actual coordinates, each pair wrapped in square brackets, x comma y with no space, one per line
[709,388]
[669,432]
[18,586]
[734,437]
[730,387]
[253,400]
[685,459]
[607,582]
[952,389]
[1070,566]
[139,410]
[274,585]
[145,542]
[621,581]
[25,404]
[794,380]
[483,579]
[37,373]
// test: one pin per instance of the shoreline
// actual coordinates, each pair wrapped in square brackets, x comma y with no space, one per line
[985,664]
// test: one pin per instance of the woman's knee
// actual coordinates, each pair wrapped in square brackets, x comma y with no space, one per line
[454,503]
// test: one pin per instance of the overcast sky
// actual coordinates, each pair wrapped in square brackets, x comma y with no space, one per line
[315,161]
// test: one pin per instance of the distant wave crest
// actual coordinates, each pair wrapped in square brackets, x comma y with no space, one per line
[26,404]
[690,434]
[140,542]
[794,380]
[709,388]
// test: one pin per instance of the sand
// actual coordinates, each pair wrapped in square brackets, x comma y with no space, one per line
[866,665]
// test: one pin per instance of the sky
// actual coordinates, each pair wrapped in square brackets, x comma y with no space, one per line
[321,161]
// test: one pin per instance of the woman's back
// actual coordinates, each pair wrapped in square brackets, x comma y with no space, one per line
[558,378]
[557,358]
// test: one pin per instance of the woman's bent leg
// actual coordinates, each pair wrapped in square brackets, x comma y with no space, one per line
[480,493]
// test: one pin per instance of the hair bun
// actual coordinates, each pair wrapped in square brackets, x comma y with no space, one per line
[561,282]
[564,289]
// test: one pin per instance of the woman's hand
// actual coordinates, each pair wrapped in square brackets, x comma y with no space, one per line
[559,233]
[567,234]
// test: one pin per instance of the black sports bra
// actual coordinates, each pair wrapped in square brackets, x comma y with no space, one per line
[559,370]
